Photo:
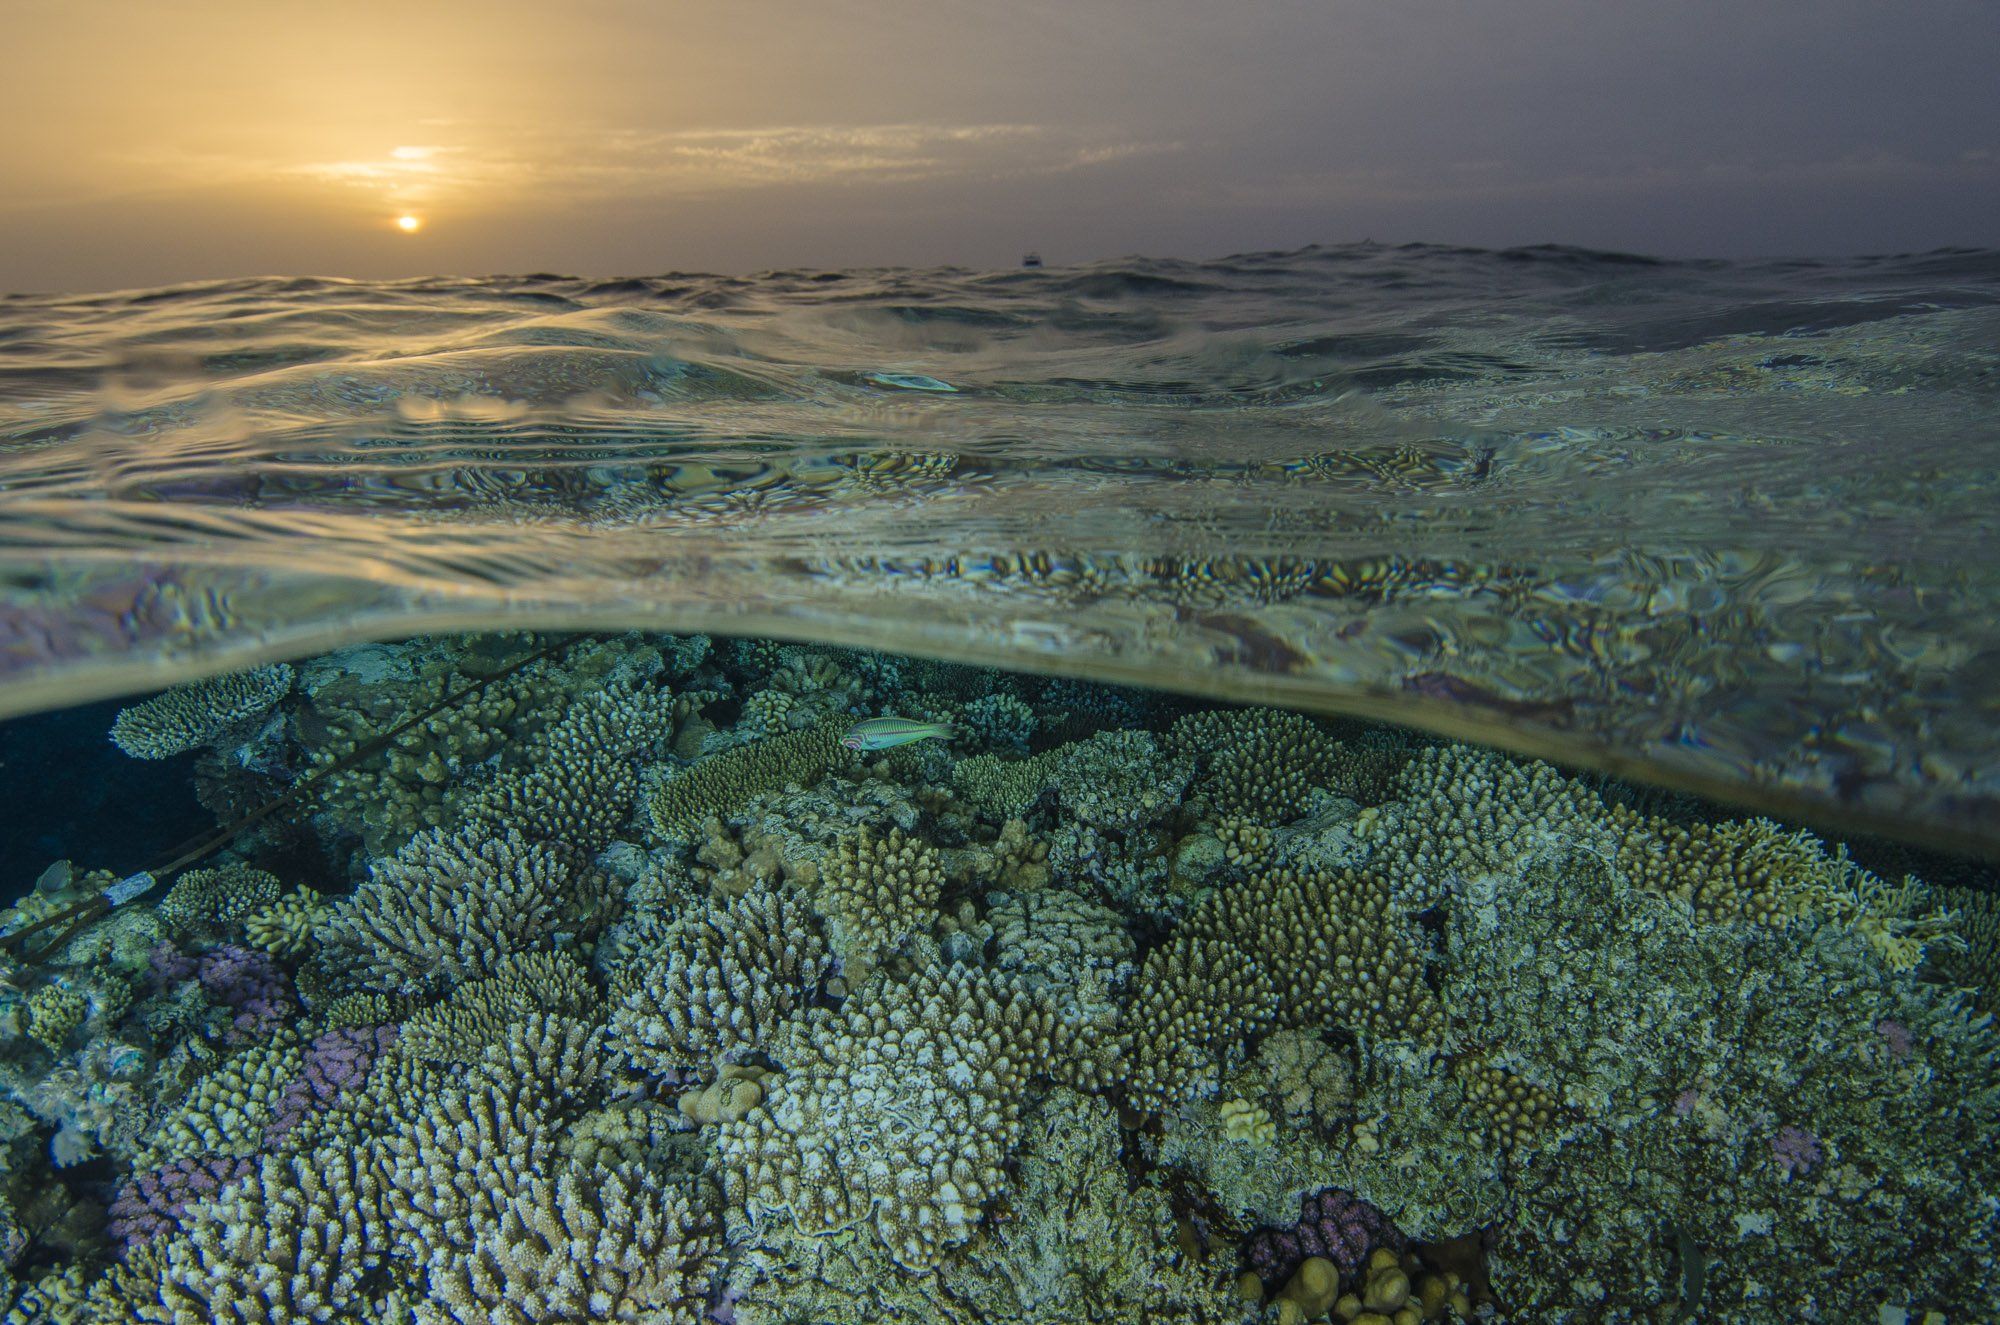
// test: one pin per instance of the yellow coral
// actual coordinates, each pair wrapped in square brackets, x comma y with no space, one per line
[283,928]
[725,782]
[53,1013]
[1244,1121]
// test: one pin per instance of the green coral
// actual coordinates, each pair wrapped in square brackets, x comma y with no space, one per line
[725,782]
[54,1014]
[198,713]
[216,900]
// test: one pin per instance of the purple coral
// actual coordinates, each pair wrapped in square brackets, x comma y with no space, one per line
[1896,1038]
[1797,1150]
[249,984]
[336,1062]
[152,1202]
[1333,1223]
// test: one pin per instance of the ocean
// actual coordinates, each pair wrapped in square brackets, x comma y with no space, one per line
[1371,783]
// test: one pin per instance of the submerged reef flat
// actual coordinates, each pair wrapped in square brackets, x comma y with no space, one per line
[621,988]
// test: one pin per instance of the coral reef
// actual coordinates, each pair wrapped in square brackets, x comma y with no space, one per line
[1334,1224]
[619,990]
[719,983]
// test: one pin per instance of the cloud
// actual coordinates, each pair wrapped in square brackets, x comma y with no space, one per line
[706,161]
[1497,180]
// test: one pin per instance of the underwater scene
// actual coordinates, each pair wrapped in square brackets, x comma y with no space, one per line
[1370,785]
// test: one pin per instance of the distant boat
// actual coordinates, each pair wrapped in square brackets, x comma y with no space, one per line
[1031,259]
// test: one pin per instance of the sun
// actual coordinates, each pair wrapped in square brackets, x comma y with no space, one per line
[409,225]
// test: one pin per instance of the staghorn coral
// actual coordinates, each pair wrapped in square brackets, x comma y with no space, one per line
[295,1240]
[431,773]
[476,1014]
[1282,948]
[1003,788]
[1119,780]
[1686,1048]
[54,1013]
[155,1201]
[1073,950]
[332,1064]
[215,901]
[198,713]
[724,782]
[1462,813]
[447,907]
[998,723]
[1974,964]
[579,778]
[722,979]
[1084,1245]
[1260,764]
[897,1111]
[228,1110]
[579,1244]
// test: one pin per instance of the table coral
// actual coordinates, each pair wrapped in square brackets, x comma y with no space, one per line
[198,713]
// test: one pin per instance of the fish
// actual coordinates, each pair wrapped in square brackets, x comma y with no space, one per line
[881,733]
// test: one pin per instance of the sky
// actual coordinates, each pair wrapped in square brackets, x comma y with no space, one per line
[153,143]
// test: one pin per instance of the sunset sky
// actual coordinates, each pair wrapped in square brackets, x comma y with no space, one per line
[151,143]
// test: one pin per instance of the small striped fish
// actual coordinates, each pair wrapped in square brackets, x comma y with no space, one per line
[881,733]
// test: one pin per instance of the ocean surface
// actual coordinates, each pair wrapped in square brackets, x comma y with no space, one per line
[1369,785]
[1722,525]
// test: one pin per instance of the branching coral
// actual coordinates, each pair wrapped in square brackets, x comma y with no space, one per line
[475,1015]
[875,893]
[723,782]
[1265,765]
[447,907]
[284,928]
[1282,948]
[578,780]
[721,980]
[216,900]
[198,713]
[897,1111]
